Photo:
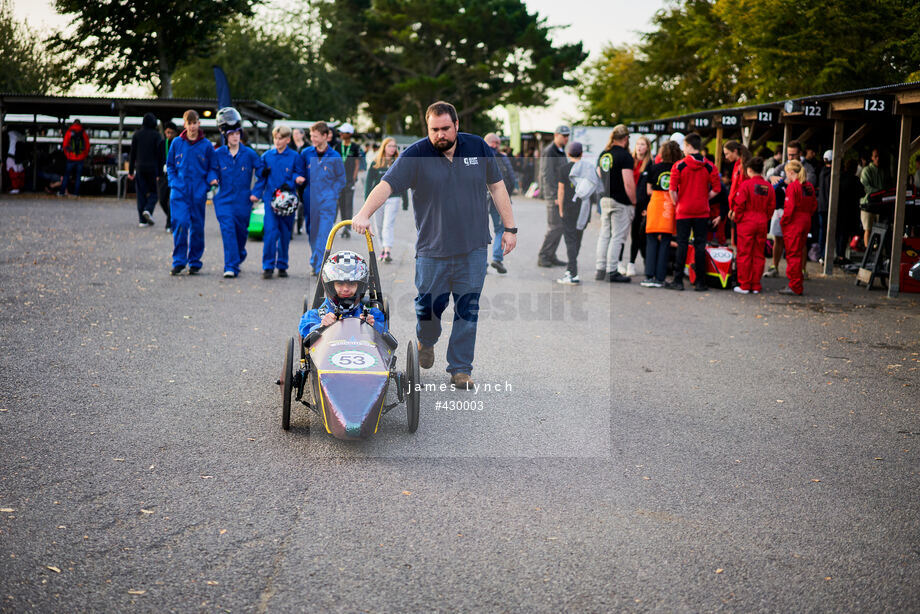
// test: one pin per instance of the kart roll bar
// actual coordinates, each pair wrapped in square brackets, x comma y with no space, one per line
[374,291]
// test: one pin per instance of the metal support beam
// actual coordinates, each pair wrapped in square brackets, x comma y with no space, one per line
[121,129]
[34,150]
[900,200]
[830,241]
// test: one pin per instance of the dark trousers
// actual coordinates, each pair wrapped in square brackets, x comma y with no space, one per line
[346,201]
[145,184]
[572,235]
[163,187]
[637,234]
[656,255]
[300,211]
[74,167]
[554,232]
[700,228]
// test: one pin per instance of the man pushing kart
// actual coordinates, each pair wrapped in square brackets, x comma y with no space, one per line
[450,173]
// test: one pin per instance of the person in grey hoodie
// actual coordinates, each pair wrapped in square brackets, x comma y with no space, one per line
[145,165]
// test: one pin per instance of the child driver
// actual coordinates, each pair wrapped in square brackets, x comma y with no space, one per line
[344,277]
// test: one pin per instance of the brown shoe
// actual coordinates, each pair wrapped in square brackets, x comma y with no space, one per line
[425,356]
[462,381]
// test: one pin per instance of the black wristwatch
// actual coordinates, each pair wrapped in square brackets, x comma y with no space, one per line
[512,230]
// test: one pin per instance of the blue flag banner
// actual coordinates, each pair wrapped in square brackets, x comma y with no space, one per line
[223,88]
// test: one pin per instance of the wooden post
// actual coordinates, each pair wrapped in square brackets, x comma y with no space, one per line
[787,136]
[719,148]
[900,199]
[34,150]
[830,241]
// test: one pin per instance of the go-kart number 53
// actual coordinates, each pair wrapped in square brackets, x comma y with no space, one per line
[353,359]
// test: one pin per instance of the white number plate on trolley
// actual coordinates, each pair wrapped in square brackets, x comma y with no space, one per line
[353,359]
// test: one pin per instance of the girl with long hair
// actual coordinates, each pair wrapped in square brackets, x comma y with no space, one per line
[385,218]
[642,158]
[801,204]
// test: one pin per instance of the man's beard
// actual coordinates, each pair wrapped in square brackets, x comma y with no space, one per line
[443,144]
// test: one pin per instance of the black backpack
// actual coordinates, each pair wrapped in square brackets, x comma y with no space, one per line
[76,142]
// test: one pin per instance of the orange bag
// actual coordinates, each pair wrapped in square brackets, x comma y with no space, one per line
[660,214]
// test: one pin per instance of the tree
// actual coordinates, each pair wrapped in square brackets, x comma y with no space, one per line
[716,53]
[25,65]
[273,63]
[614,89]
[114,43]
[478,54]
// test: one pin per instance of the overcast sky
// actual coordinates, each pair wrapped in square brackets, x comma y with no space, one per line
[594,23]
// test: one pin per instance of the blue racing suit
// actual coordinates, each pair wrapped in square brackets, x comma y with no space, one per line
[187,166]
[231,203]
[277,169]
[312,318]
[325,179]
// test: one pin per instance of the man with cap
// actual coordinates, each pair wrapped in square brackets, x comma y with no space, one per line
[618,204]
[551,160]
[349,152]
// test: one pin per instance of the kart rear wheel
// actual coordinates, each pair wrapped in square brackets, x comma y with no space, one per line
[412,392]
[287,382]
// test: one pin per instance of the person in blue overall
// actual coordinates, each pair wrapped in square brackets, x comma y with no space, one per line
[345,277]
[325,179]
[187,166]
[281,166]
[232,167]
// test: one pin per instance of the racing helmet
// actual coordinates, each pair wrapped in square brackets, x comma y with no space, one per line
[285,201]
[228,120]
[345,266]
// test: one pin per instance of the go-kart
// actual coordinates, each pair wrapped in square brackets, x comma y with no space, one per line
[720,266]
[345,369]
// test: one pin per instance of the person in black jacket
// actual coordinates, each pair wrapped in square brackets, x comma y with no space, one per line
[147,159]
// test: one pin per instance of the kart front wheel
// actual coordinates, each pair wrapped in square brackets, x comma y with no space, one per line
[287,382]
[412,385]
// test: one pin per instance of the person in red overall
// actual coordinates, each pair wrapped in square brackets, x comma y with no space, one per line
[754,204]
[801,204]
[738,154]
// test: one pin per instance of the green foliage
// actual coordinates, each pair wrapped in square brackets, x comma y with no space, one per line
[714,53]
[115,42]
[477,54]
[273,61]
[25,66]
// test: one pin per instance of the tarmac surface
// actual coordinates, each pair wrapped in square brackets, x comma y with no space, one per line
[639,450]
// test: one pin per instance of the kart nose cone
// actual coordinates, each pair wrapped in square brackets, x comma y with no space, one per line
[352,404]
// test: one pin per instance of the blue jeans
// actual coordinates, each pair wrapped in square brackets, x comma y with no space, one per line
[497,251]
[72,165]
[439,279]
[657,245]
